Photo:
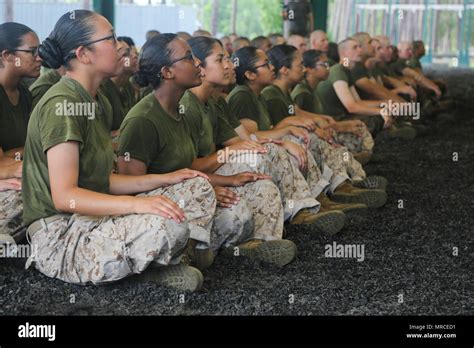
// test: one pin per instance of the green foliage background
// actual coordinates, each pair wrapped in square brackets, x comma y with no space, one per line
[254,17]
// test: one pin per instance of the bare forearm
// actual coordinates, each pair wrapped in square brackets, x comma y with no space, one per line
[85,202]
[287,122]
[274,133]
[129,184]
[395,83]
[372,103]
[207,164]
[364,109]
[242,132]
[220,180]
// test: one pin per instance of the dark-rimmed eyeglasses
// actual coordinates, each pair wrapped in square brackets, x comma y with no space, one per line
[189,57]
[186,57]
[33,51]
[266,65]
[110,37]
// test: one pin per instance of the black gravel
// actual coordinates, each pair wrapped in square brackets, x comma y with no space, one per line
[408,251]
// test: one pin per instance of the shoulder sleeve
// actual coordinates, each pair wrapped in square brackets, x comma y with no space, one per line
[276,109]
[304,101]
[242,106]
[224,130]
[56,126]
[337,74]
[358,72]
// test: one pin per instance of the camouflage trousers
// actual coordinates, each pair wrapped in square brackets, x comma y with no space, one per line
[298,190]
[339,160]
[356,144]
[11,216]
[88,249]
[263,205]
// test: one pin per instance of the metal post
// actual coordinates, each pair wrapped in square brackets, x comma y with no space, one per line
[354,16]
[389,20]
[320,14]
[106,8]
[362,19]
[429,56]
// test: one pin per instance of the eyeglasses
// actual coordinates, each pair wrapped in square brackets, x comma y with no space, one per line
[266,65]
[324,64]
[189,56]
[110,37]
[33,51]
[186,57]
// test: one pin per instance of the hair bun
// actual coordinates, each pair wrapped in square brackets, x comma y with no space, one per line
[51,54]
[141,78]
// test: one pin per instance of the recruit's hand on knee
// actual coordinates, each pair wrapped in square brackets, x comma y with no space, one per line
[225,197]
[183,174]
[159,205]
[299,153]
[248,145]
[242,178]
[300,133]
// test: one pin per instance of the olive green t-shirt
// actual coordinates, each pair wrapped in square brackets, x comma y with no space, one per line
[47,79]
[158,139]
[117,100]
[359,71]
[67,112]
[144,91]
[302,95]
[226,121]
[279,104]
[245,104]
[14,119]
[331,105]
[198,118]
[376,71]
[398,66]
[202,121]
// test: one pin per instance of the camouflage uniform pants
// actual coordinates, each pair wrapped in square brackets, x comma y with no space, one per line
[197,199]
[298,190]
[262,197]
[339,159]
[354,143]
[11,216]
[87,249]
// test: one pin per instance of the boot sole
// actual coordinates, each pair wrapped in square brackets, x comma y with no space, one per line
[377,183]
[184,278]
[372,198]
[276,252]
[356,213]
[330,222]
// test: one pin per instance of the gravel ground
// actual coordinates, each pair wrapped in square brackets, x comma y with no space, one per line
[408,251]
